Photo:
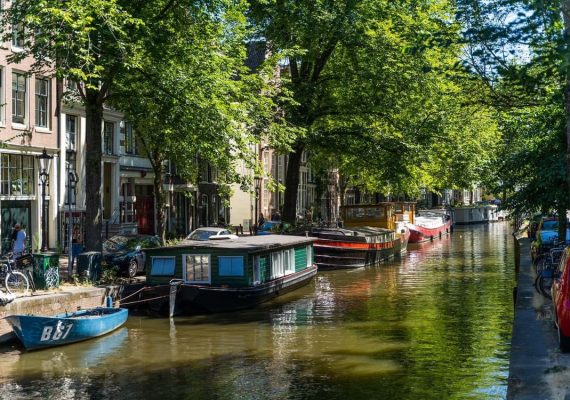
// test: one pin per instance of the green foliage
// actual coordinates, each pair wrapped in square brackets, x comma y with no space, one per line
[109,275]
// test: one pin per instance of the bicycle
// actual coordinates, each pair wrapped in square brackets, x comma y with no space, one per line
[546,268]
[14,281]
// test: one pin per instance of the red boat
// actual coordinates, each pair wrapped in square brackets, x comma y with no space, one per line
[429,226]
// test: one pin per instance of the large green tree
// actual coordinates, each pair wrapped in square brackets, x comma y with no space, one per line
[193,97]
[93,43]
[372,83]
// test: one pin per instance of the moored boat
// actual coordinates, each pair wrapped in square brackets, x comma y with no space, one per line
[226,275]
[372,233]
[37,332]
[428,226]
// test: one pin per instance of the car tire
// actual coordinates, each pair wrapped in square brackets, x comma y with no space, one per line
[564,342]
[132,268]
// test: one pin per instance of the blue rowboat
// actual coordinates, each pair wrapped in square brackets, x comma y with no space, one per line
[36,332]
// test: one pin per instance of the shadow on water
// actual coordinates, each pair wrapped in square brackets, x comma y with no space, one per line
[433,324]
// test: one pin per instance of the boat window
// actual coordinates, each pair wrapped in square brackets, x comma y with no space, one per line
[256,270]
[230,266]
[309,256]
[289,261]
[162,266]
[277,264]
[197,268]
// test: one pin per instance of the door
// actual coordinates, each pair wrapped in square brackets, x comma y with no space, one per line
[145,215]
[16,211]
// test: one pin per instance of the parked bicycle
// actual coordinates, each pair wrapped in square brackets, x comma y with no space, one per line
[15,282]
[546,268]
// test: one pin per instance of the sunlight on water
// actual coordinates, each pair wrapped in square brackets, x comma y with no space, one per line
[434,324]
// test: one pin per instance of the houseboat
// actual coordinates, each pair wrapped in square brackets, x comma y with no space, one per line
[477,214]
[429,225]
[226,275]
[372,233]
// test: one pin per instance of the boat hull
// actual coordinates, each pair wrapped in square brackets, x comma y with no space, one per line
[419,234]
[192,299]
[357,248]
[37,332]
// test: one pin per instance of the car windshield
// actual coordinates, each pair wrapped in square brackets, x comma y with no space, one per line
[117,243]
[550,225]
[201,235]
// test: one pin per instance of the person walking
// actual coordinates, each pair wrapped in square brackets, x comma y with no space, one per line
[19,243]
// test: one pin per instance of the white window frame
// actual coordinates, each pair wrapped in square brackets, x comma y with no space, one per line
[17,39]
[277,269]
[256,275]
[309,255]
[44,97]
[184,273]
[289,261]
[25,100]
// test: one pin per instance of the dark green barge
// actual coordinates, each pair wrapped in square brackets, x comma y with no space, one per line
[226,275]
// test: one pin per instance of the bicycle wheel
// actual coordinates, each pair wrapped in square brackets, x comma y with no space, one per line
[51,277]
[16,282]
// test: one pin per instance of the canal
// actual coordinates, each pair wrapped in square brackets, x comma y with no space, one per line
[434,325]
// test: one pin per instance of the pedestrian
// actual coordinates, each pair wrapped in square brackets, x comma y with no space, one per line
[19,244]
[261,220]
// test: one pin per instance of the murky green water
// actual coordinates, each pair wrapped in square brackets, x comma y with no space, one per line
[434,325]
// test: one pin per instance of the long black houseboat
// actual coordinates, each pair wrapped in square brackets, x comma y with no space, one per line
[226,275]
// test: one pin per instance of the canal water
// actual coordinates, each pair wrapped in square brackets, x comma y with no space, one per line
[434,325]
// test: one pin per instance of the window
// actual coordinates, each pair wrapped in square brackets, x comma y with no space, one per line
[18,98]
[128,137]
[42,102]
[256,270]
[1,94]
[289,261]
[230,266]
[18,35]
[71,132]
[108,130]
[309,256]
[163,266]
[197,268]
[277,269]
[17,177]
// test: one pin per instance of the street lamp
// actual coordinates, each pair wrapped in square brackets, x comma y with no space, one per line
[45,163]
[72,180]
[257,182]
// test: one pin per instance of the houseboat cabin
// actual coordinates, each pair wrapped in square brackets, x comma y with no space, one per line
[224,275]
[382,215]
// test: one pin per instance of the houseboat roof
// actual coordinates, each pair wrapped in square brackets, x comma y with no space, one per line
[251,243]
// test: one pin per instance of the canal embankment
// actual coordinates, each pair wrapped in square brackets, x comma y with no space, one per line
[537,369]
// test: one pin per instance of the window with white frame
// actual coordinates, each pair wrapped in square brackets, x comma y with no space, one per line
[108,137]
[197,268]
[309,256]
[277,269]
[256,270]
[71,132]
[18,35]
[128,137]
[289,261]
[19,89]
[42,102]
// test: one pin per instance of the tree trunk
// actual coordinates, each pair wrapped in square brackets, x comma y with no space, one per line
[292,184]
[93,206]
[562,223]
[158,168]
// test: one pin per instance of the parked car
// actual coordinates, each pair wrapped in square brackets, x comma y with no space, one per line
[126,252]
[560,291]
[272,227]
[546,236]
[211,233]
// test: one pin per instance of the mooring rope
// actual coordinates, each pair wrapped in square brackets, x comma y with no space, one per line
[142,301]
[132,294]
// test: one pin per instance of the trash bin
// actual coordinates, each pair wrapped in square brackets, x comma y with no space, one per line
[46,270]
[89,265]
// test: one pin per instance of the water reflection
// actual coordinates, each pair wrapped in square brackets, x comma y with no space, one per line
[434,324]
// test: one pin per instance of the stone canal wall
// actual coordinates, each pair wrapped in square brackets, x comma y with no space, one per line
[51,303]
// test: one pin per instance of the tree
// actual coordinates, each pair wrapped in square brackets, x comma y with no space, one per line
[94,43]
[371,83]
[195,96]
